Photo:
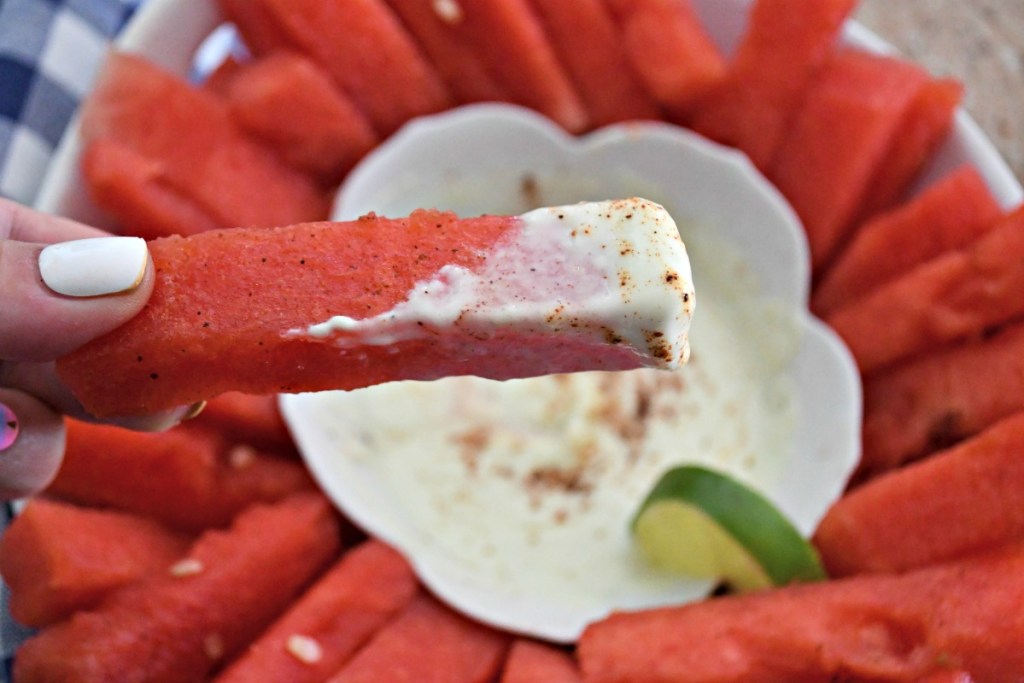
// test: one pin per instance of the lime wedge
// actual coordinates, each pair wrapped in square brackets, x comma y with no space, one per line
[703,524]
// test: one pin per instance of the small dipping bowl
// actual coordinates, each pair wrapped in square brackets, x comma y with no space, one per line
[513,499]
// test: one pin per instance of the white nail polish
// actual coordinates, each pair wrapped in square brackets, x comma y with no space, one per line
[94,266]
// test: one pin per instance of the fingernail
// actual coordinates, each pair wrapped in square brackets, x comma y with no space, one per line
[8,427]
[194,411]
[94,266]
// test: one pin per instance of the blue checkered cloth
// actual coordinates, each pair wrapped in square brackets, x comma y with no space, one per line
[49,53]
[11,633]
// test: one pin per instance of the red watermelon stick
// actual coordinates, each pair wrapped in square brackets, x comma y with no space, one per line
[331,621]
[181,624]
[508,43]
[961,616]
[361,43]
[291,104]
[931,511]
[343,305]
[530,661]
[670,50]
[584,36]
[451,51]
[136,192]
[938,399]
[58,558]
[924,129]
[838,141]
[229,177]
[784,46]
[434,642]
[949,215]
[957,296]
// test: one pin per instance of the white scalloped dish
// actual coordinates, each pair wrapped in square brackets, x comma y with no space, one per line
[802,374]
[513,499]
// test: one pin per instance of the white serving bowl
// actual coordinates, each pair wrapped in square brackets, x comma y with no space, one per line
[737,227]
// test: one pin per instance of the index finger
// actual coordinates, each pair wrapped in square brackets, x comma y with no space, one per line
[22,224]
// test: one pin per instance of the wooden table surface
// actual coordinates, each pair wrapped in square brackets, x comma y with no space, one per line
[979,42]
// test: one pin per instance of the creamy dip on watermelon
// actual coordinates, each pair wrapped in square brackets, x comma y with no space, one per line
[614,271]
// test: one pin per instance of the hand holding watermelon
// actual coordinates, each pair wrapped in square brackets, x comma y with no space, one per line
[64,284]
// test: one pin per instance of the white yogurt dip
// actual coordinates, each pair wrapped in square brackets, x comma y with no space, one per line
[612,271]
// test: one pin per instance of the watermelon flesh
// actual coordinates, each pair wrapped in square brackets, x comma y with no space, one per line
[187,478]
[182,623]
[925,127]
[785,45]
[586,41]
[959,502]
[959,676]
[530,661]
[934,401]
[248,419]
[325,627]
[837,141]
[452,53]
[868,628]
[459,650]
[261,29]
[137,193]
[58,558]
[289,103]
[360,43]
[949,215]
[670,51]
[375,300]
[219,80]
[232,179]
[497,45]
[956,296]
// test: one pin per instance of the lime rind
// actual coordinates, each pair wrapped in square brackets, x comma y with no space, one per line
[758,527]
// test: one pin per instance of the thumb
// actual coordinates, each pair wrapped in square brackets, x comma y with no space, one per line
[57,297]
